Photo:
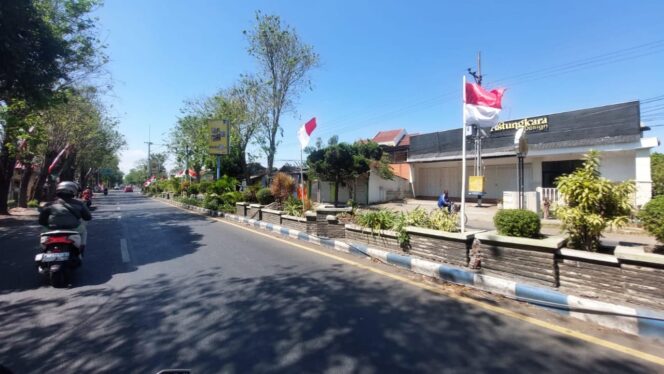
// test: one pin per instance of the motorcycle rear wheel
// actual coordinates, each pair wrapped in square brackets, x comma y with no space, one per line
[58,278]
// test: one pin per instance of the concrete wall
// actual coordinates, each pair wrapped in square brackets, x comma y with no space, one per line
[381,190]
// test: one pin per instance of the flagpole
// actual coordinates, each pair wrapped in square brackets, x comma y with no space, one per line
[463,160]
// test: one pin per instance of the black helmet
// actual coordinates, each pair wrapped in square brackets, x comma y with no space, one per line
[66,189]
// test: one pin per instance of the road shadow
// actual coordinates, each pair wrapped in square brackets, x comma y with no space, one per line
[153,233]
[330,320]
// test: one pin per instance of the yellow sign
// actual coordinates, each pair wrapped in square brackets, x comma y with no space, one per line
[530,124]
[218,140]
[476,184]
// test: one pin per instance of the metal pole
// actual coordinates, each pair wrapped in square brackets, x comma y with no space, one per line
[218,167]
[302,181]
[463,160]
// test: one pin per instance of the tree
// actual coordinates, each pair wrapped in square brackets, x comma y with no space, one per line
[592,203]
[246,111]
[342,162]
[136,176]
[284,62]
[657,170]
[46,46]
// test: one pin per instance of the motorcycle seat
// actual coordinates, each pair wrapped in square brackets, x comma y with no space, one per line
[60,232]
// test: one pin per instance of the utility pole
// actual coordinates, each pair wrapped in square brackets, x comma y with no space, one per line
[477,131]
[149,143]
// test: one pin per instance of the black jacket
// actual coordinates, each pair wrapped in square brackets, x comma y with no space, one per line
[64,214]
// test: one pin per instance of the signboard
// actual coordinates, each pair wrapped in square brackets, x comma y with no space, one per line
[106,172]
[476,185]
[535,124]
[218,138]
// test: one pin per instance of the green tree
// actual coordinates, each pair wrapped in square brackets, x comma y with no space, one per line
[136,176]
[46,46]
[284,62]
[343,162]
[657,170]
[592,203]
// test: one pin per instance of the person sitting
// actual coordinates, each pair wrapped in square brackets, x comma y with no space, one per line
[444,201]
[66,213]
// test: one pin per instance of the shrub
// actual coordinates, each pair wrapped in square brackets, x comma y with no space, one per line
[652,216]
[184,186]
[249,196]
[193,189]
[223,184]
[212,204]
[441,219]
[204,186]
[264,196]
[592,204]
[282,186]
[517,222]
[418,217]
[293,207]
[377,219]
[33,203]
[231,197]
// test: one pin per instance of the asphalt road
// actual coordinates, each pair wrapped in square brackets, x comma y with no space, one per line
[163,288]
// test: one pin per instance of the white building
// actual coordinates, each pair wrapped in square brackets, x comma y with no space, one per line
[557,143]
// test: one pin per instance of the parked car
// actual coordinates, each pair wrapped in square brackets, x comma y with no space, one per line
[129,189]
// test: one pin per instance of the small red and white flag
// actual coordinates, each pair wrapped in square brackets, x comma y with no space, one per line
[304,133]
[56,161]
[481,107]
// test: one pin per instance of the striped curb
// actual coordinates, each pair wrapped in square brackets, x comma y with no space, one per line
[633,321]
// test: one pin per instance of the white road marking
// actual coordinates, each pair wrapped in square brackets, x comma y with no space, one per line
[123,250]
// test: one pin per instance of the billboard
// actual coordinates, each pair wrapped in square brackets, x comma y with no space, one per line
[218,137]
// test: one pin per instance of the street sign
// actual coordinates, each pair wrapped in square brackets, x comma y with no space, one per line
[105,172]
[218,137]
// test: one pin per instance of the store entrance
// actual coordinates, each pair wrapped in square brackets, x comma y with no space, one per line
[553,169]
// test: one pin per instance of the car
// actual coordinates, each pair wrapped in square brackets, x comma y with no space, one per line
[129,189]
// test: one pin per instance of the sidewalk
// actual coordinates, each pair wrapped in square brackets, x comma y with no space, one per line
[482,219]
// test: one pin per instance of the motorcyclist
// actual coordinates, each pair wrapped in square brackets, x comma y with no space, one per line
[66,213]
[87,196]
[444,201]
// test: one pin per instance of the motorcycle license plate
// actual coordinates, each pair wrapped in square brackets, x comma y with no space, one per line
[52,257]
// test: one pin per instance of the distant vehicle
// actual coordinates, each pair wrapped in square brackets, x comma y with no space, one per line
[116,188]
[128,189]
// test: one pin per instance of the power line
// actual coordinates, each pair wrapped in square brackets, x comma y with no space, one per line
[620,55]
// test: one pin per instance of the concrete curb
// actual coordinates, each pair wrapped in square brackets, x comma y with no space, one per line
[634,321]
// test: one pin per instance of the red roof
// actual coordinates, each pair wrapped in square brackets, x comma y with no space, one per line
[405,141]
[387,136]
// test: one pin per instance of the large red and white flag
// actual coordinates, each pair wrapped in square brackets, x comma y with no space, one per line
[481,107]
[304,133]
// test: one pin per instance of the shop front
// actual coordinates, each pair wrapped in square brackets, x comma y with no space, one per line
[557,144]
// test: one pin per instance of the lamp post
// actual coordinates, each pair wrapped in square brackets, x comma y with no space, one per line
[521,149]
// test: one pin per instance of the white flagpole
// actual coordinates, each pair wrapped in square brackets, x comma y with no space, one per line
[463,161]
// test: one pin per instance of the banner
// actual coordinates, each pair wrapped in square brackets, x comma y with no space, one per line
[218,137]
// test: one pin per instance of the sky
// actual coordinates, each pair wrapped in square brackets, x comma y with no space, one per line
[384,64]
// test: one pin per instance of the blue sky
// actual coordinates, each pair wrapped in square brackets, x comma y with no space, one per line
[384,64]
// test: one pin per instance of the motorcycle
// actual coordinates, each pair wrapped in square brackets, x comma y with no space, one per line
[59,256]
[105,191]
[87,198]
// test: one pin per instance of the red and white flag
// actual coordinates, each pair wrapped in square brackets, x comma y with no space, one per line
[481,107]
[55,162]
[304,133]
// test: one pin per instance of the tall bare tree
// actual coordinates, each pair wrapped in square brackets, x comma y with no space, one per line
[285,62]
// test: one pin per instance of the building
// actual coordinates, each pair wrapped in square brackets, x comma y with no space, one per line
[557,143]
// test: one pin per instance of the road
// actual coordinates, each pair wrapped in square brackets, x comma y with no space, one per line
[163,288]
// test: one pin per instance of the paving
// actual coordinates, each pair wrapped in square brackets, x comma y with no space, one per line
[187,291]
